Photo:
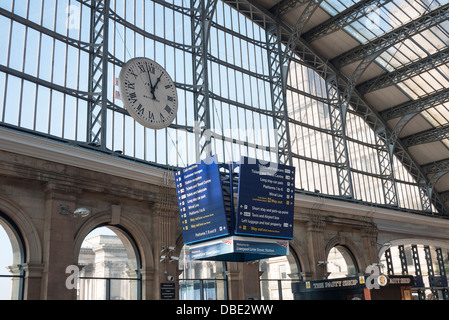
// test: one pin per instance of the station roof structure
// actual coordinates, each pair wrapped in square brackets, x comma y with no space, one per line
[392,57]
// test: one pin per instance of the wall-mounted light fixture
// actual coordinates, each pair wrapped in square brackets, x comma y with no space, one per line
[78,213]
[167,253]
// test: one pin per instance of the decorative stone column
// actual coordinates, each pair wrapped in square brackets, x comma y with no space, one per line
[33,280]
[58,241]
[243,280]
[165,219]
[369,243]
[315,245]
[148,284]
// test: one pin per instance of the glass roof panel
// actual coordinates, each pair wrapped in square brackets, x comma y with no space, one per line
[417,47]
[411,89]
[438,115]
[424,84]
[380,20]
[377,21]
[446,142]
[444,70]
[434,119]
[334,7]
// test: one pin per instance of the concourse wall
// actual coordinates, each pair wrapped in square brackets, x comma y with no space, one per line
[38,175]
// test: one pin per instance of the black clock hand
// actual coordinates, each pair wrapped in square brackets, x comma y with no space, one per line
[158,79]
[151,85]
[155,85]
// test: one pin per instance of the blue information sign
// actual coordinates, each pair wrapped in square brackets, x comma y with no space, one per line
[200,200]
[265,205]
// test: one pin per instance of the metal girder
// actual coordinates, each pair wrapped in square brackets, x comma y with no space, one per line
[385,157]
[389,261]
[445,196]
[424,22]
[390,78]
[440,261]
[418,273]
[296,32]
[430,271]
[429,263]
[201,21]
[439,166]
[426,185]
[279,70]
[385,149]
[337,112]
[442,270]
[279,61]
[72,92]
[435,171]
[416,106]
[267,20]
[368,53]
[278,74]
[259,15]
[179,46]
[302,50]
[403,258]
[98,73]
[30,24]
[344,18]
[427,136]
[285,6]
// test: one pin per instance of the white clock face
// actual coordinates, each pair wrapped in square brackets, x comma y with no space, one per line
[148,93]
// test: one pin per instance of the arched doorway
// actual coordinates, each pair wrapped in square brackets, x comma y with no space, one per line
[110,266]
[11,260]
[341,263]
[201,280]
[277,274]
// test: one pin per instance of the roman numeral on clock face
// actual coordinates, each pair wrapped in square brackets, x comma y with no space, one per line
[168,109]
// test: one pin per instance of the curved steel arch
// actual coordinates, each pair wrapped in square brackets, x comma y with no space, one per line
[267,19]
[371,51]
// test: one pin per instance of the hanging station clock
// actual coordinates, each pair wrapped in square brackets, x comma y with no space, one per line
[148,93]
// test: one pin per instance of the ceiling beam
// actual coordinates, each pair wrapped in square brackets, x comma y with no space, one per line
[390,78]
[284,6]
[436,167]
[393,37]
[344,18]
[424,103]
[427,136]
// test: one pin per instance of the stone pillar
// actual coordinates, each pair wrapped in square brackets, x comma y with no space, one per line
[33,281]
[15,281]
[315,246]
[148,287]
[243,280]
[165,219]
[58,242]
[369,245]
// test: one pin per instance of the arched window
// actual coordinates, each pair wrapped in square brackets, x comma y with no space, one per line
[11,259]
[110,266]
[277,275]
[341,263]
